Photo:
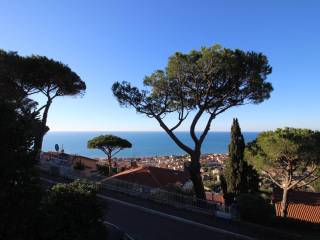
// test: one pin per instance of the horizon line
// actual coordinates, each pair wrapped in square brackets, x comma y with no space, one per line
[158,131]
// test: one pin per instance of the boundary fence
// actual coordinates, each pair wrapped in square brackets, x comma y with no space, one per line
[166,197]
[154,194]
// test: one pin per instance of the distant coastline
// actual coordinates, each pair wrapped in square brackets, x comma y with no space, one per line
[145,144]
[133,131]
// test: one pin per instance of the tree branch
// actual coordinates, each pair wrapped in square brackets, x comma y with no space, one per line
[181,119]
[303,178]
[173,136]
[39,109]
[104,150]
[30,92]
[272,179]
[206,130]
[116,152]
[311,181]
[193,125]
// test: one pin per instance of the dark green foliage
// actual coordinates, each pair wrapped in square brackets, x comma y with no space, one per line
[211,184]
[316,184]
[223,183]
[103,169]
[38,75]
[72,211]
[21,129]
[109,143]
[234,167]
[272,147]
[240,176]
[208,81]
[114,170]
[20,194]
[52,79]
[289,157]
[228,197]
[254,208]
[251,178]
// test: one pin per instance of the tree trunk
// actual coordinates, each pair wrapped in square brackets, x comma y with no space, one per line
[284,203]
[195,176]
[43,129]
[110,163]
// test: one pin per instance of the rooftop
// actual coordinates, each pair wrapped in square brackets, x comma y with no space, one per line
[154,177]
[304,206]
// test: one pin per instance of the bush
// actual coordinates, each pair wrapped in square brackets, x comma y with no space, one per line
[73,212]
[254,208]
[211,184]
[20,192]
[103,169]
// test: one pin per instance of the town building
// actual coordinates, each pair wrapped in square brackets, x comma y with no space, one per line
[64,164]
[153,177]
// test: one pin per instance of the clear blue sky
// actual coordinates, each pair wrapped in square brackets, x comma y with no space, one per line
[108,41]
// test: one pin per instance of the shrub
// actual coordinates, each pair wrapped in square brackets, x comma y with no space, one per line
[254,208]
[209,183]
[73,212]
[103,169]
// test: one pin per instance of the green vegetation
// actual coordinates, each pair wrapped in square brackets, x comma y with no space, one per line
[68,211]
[240,176]
[289,157]
[110,145]
[209,82]
[20,193]
[254,208]
[73,212]
[39,75]
[316,184]
[211,185]
[103,169]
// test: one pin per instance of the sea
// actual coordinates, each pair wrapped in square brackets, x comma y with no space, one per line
[143,143]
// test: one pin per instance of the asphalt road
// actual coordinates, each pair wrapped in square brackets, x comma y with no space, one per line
[143,223]
[147,220]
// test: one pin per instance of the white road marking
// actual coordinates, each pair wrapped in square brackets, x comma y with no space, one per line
[179,219]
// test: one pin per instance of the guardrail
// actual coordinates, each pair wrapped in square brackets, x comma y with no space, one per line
[166,197]
[156,194]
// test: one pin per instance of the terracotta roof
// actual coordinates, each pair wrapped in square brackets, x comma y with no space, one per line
[215,197]
[152,176]
[56,154]
[66,156]
[303,212]
[304,206]
[82,158]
